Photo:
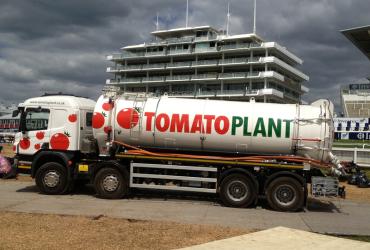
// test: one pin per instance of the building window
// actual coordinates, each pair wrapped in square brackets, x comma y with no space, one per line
[258,85]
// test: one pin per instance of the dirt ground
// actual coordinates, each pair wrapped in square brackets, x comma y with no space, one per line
[37,231]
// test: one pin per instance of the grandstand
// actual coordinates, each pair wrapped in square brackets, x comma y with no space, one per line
[356,97]
[355,100]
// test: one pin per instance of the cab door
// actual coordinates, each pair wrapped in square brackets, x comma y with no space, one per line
[86,132]
[36,132]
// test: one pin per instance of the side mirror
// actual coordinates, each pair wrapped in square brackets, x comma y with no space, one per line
[15,113]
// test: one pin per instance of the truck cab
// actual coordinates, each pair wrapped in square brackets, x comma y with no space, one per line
[53,126]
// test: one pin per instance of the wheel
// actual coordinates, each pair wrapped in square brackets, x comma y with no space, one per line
[51,178]
[237,190]
[109,183]
[285,194]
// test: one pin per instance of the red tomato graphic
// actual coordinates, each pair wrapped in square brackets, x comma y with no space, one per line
[128,118]
[37,146]
[59,141]
[107,129]
[108,106]
[40,135]
[98,120]
[24,143]
[72,118]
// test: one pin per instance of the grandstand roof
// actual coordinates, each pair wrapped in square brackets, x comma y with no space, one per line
[360,37]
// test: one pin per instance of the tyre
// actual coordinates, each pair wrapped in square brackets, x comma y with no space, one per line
[109,183]
[285,194]
[51,178]
[237,190]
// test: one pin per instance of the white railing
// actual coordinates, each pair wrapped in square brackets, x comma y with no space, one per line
[235,46]
[207,49]
[235,60]
[154,79]
[179,64]
[154,66]
[132,67]
[155,53]
[178,78]
[206,62]
[182,93]
[114,57]
[131,80]
[233,75]
[180,40]
[126,54]
[205,76]
[180,51]
[359,156]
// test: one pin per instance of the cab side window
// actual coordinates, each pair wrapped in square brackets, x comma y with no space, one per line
[37,119]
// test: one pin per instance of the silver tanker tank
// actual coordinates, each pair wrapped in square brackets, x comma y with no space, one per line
[216,126]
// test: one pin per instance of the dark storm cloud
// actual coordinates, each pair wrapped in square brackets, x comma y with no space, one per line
[34,19]
[48,46]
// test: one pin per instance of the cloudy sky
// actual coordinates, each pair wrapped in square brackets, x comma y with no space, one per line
[60,45]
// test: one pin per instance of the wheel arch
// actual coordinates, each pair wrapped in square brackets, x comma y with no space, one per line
[296,176]
[51,156]
[238,171]
[110,163]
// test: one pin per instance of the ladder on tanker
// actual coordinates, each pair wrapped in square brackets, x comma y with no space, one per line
[136,117]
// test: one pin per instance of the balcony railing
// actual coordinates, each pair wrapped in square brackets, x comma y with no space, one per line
[233,75]
[131,80]
[205,76]
[112,70]
[205,62]
[179,40]
[154,66]
[235,60]
[127,54]
[207,49]
[154,79]
[114,57]
[255,45]
[235,46]
[182,93]
[179,51]
[155,53]
[179,64]
[253,74]
[204,38]
[132,67]
[178,78]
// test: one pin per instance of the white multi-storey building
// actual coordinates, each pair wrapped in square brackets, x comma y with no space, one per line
[202,62]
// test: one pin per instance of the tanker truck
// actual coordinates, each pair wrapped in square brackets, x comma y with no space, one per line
[238,151]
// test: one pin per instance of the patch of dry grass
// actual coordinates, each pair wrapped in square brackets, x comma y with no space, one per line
[38,231]
[7,150]
[357,194]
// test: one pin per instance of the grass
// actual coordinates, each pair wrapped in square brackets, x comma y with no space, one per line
[351,143]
